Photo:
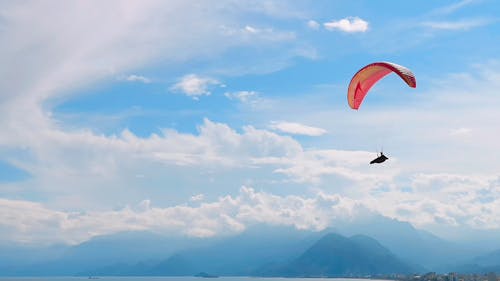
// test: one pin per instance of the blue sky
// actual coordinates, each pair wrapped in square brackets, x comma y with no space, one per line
[201,119]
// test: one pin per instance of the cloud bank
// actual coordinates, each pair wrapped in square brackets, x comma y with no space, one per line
[29,222]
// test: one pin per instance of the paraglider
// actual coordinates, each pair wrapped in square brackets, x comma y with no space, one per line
[364,80]
[379,159]
[367,76]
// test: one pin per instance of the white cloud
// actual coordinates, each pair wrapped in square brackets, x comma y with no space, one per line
[252,34]
[242,96]
[194,86]
[71,166]
[314,166]
[456,25]
[312,24]
[30,222]
[138,78]
[250,29]
[454,199]
[442,199]
[98,46]
[251,99]
[97,159]
[196,198]
[450,199]
[350,25]
[297,129]
[102,164]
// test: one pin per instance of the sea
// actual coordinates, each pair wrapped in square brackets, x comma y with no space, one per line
[150,278]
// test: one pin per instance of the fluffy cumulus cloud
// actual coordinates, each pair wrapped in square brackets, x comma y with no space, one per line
[456,200]
[98,160]
[349,25]
[195,86]
[29,222]
[297,128]
[424,200]
[215,144]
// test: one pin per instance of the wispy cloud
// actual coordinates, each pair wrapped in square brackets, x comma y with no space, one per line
[454,7]
[297,128]
[242,96]
[312,24]
[249,98]
[349,25]
[253,34]
[138,78]
[456,25]
[195,86]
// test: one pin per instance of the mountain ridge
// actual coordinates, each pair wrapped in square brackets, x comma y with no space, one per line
[260,249]
[335,255]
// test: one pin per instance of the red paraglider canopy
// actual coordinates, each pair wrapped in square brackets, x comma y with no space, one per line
[366,77]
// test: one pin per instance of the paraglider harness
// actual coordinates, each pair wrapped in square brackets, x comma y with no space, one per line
[379,159]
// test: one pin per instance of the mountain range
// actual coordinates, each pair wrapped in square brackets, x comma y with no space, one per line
[375,246]
[335,255]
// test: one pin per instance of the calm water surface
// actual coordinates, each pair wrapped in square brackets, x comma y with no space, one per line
[149,278]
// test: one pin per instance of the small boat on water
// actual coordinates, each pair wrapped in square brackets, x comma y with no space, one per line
[205,275]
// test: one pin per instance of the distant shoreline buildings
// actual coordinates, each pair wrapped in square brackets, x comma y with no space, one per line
[433,276]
